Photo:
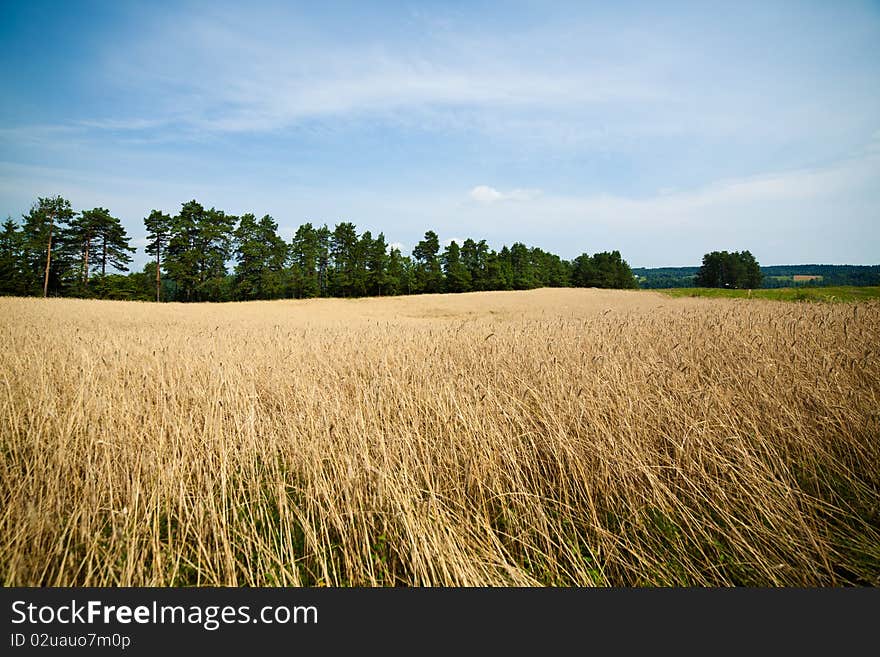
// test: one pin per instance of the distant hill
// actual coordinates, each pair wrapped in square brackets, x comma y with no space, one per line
[774,276]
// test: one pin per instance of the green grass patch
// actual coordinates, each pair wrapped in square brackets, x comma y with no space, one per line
[839,294]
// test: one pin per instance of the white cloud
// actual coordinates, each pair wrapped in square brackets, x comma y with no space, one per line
[486,194]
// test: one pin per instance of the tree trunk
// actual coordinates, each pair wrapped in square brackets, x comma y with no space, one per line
[104,260]
[158,275]
[86,267]
[48,261]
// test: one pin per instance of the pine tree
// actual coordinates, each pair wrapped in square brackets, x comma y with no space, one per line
[499,270]
[305,249]
[46,218]
[323,234]
[158,227]
[80,240]
[215,247]
[360,283]
[605,270]
[261,255]
[272,284]
[377,267]
[458,278]
[343,243]
[182,254]
[522,268]
[11,258]
[93,240]
[550,269]
[428,271]
[398,276]
[198,249]
[474,256]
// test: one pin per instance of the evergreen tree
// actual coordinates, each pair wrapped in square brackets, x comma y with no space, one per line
[46,218]
[261,254]
[323,234]
[428,272]
[474,256]
[108,239]
[550,270]
[274,279]
[80,243]
[250,253]
[583,273]
[215,235]
[360,274]
[377,266]
[158,227]
[605,270]
[458,278]
[198,249]
[182,257]
[499,270]
[522,268]
[11,259]
[398,273]
[343,250]
[305,249]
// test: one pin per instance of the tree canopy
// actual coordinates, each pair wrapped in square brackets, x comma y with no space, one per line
[737,269]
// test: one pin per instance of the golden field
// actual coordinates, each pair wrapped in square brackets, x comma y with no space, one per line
[550,437]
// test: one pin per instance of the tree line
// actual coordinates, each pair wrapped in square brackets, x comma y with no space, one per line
[772,276]
[206,254]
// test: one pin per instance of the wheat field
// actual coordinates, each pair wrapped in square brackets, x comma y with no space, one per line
[562,437]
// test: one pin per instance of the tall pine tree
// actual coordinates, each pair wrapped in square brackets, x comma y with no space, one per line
[158,225]
[260,255]
[458,278]
[428,271]
[304,252]
[11,259]
[46,218]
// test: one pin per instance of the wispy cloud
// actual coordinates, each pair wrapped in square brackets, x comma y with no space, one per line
[223,69]
[126,124]
[232,72]
[486,194]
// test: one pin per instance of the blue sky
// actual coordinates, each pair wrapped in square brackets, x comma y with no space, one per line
[664,130]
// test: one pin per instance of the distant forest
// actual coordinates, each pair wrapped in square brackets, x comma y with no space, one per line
[774,276]
[203,254]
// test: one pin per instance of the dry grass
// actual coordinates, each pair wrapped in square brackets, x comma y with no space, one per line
[562,437]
